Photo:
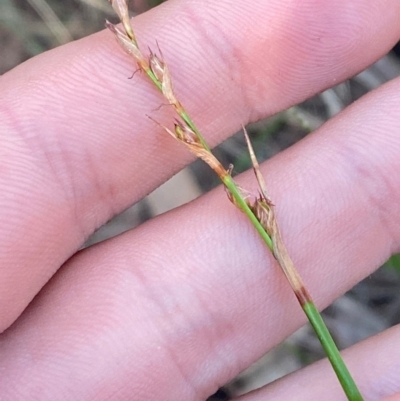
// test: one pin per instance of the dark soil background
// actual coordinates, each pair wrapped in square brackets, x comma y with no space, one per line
[33,26]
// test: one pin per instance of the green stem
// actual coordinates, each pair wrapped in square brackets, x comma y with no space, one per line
[326,340]
[314,317]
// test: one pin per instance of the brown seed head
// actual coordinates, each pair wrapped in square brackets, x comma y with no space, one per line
[161,71]
[126,43]
[185,134]
[157,66]
[167,87]
[264,212]
[246,195]
[121,8]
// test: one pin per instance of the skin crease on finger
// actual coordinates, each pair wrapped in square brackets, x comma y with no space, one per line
[180,305]
[77,148]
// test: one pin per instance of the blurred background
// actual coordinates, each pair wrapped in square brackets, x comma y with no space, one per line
[29,27]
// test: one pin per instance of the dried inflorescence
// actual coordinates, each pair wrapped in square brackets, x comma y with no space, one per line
[121,8]
[161,72]
[129,45]
[153,65]
[263,209]
[185,132]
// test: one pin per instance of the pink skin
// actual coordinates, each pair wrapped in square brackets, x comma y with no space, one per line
[162,313]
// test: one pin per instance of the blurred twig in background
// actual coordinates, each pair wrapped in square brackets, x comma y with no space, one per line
[50,18]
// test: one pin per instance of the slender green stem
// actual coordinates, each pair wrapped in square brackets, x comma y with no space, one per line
[314,317]
[326,340]
[322,332]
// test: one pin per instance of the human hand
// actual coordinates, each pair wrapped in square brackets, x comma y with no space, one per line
[177,307]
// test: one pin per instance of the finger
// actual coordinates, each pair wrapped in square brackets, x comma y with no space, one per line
[394,397]
[179,306]
[291,69]
[72,167]
[374,364]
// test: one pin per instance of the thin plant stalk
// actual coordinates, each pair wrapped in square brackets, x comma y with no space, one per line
[259,209]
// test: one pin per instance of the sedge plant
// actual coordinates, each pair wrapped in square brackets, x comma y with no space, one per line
[258,208]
